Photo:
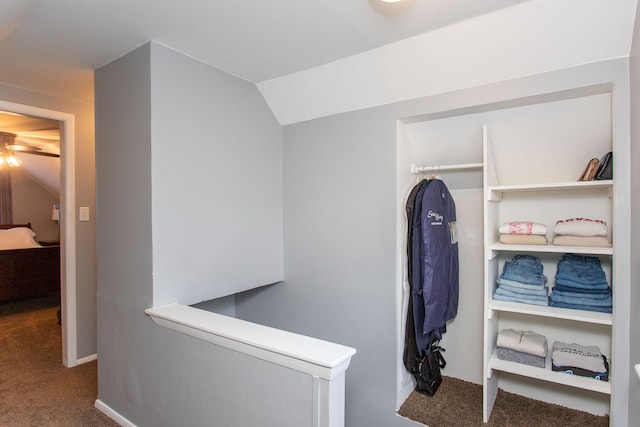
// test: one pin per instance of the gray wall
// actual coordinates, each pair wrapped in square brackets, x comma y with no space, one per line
[85,196]
[123,176]
[634,338]
[340,225]
[339,239]
[216,183]
[33,203]
[150,375]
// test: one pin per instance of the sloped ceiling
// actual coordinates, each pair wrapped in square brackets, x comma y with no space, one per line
[53,45]
[313,58]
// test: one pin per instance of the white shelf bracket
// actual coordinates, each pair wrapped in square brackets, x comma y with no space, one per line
[494,196]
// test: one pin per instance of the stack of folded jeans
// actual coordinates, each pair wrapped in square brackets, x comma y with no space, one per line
[576,359]
[526,347]
[581,284]
[522,281]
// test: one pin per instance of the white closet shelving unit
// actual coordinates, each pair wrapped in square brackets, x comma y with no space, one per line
[537,202]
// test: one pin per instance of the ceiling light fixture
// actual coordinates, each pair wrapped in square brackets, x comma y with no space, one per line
[6,158]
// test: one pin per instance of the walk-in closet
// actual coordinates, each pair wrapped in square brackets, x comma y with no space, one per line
[521,160]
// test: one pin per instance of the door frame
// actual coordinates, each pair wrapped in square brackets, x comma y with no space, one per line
[67,224]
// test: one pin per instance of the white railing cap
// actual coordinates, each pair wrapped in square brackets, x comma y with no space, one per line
[314,356]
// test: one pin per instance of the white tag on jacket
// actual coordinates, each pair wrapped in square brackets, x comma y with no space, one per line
[453,232]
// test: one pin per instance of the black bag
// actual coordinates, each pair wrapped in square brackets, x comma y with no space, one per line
[427,371]
[605,169]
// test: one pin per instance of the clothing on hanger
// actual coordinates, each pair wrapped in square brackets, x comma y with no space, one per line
[432,277]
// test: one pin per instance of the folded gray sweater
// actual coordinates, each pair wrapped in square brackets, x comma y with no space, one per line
[520,357]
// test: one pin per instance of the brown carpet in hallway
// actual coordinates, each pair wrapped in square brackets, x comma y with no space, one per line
[35,388]
[458,403]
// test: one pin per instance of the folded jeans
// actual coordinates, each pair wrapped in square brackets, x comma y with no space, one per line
[606,302]
[542,292]
[580,307]
[521,300]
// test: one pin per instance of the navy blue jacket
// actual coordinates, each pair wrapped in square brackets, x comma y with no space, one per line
[435,264]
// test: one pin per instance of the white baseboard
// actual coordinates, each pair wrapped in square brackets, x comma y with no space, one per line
[87,359]
[106,409]
[404,393]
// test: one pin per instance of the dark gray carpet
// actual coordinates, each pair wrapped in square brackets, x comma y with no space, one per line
[458,403]
[35,388]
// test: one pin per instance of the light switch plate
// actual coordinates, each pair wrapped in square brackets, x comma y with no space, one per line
[84,213]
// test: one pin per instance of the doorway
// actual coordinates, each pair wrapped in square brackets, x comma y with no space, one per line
[67,223]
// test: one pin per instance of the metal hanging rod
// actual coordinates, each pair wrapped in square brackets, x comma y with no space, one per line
[439,168]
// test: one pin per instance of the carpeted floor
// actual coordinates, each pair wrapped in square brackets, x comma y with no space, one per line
[35,388]
[458,403]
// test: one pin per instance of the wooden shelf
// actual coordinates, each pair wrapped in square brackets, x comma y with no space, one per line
[546,374]
[585,316]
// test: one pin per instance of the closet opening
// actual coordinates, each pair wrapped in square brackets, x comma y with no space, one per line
[533,152]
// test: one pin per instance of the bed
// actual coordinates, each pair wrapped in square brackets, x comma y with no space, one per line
[27,269]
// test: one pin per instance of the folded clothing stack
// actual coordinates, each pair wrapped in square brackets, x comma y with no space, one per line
[525,347]
[576,359]
[581,284]
[522,280]
[523,233]
[581,232]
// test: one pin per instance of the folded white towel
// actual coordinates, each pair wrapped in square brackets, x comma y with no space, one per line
[523,227]
[581,227]
[523,341]
[579,356]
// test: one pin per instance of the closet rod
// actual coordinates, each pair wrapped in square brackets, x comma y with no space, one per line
[437,168]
